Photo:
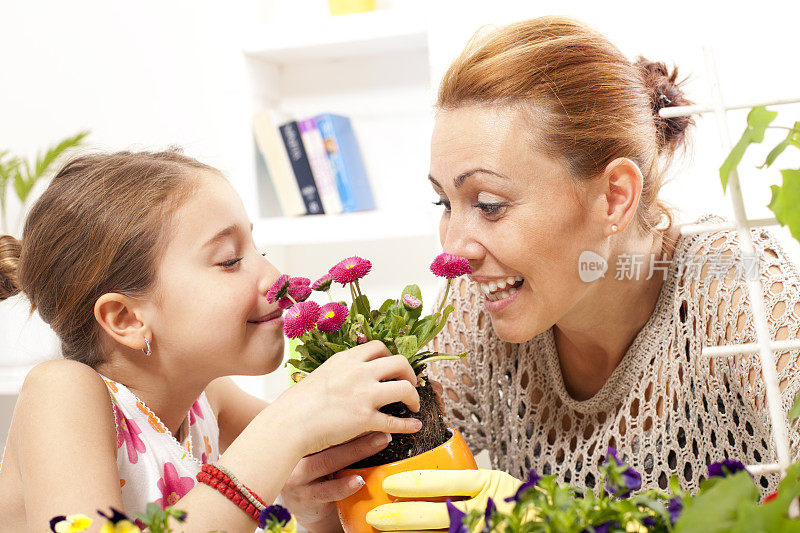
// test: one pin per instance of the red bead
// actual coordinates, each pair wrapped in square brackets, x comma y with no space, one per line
[243,504]
[236,498]
[250,508]
[221,488]
[226,479]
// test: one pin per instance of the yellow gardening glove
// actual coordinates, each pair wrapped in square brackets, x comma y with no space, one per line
[479,485]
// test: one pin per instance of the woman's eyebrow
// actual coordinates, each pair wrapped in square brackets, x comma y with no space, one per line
[459,180]
[221,234]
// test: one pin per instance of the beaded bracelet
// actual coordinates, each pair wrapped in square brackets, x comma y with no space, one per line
[232,489]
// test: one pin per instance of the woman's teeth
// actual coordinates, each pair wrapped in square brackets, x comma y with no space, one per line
[502,288]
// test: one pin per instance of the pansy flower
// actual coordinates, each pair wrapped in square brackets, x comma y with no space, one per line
[118,522]
[726,467]
[621,483]
[70,523]
[350,270]
[301,318]
[331,317]
[276,519]
[450,266]
[533,479]
[456,518]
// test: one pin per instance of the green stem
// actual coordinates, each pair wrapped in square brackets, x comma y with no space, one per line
[329,295]
[444,299]
[782,128]
[441,357]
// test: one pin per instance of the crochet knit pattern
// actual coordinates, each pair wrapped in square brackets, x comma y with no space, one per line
[667,409]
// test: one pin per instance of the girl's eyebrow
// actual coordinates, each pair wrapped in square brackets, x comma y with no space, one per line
[459,180]
[221,234]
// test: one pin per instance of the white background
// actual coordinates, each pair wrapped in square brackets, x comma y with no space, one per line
[151,74]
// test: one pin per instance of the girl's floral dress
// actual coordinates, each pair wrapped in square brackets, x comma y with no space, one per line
[153,466]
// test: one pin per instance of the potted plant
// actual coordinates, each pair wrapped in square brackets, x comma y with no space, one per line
[399,324]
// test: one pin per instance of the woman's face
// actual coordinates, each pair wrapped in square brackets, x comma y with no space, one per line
[214,289]
[514,213]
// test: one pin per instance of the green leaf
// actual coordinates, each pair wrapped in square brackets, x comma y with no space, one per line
[793,138]
[717,509]
[794,412]
[757,121]
[407,345]
[388,303]
[785,201]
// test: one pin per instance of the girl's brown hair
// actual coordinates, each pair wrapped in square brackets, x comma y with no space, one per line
[588,102]
[100,226]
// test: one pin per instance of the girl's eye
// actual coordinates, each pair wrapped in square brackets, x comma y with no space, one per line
[445,203]
[231,263]
[490,209]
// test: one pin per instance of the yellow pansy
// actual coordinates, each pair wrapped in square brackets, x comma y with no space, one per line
[123,526]
[73,522]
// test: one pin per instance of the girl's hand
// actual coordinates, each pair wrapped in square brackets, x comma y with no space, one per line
[310,496]
[340,400]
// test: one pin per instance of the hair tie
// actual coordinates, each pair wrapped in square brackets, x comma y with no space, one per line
[663,97]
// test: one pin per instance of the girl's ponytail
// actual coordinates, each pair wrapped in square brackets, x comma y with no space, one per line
[10,250]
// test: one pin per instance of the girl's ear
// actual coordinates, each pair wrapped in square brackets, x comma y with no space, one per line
[622,181]
[120,317]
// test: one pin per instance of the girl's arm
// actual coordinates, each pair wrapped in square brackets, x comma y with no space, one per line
[235,409]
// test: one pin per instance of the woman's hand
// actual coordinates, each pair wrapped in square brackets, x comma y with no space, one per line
[310,496]
[340,400]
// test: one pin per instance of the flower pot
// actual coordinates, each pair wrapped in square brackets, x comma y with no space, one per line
[452,455]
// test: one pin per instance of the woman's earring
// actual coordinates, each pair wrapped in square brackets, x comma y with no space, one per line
[614,228]
[148,352]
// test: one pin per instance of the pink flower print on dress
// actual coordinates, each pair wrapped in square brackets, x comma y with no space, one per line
[195,411]
[172,486]
[128,432]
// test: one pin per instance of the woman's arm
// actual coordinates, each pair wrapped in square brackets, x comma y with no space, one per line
[235,409]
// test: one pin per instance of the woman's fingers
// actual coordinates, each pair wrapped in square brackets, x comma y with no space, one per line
[394,367]
[335,458]
[394,424]
[370,351]
[334,490]
[397,391]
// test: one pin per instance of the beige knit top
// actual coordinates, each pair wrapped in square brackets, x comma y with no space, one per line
[666,409]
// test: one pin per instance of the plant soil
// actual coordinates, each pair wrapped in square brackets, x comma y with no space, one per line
[434,431]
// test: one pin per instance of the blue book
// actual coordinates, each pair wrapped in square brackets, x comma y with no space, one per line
[346,162]
[290,133]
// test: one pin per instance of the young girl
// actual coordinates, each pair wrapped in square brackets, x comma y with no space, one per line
[145,267]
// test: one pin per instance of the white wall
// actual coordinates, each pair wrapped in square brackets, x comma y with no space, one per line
[150,74]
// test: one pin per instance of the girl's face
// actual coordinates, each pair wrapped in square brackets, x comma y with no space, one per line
[514,213]
[214,285]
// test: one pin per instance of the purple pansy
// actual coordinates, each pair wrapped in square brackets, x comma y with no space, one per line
[456,519]
[533,479]
[724,468]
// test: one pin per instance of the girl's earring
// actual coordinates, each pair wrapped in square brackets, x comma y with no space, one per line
[148,352]
[614,228]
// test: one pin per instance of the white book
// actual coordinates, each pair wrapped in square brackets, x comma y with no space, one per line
[320,166]
[279,167]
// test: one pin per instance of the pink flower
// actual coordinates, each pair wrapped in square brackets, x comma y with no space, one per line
[299,281]
[411,301]
[332,316]
[360,337]
[172,486]
[349,270]
[323,283]
[300,318]
[128,432]
[300,293]
[450,266]
[279,288]
[284,302]
[195,410]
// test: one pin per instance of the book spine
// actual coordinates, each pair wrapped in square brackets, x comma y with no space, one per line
[301,168]
[320,166]
[326,129]
[347,155]
[277,164]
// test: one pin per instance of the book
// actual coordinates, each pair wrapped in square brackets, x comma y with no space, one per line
[320,166]
[348,165]
[277,163]
[301,168]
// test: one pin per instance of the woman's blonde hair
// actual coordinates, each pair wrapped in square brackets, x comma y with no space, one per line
[100,226]
[588,102]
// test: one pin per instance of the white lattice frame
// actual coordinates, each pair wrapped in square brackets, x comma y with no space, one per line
[764,346]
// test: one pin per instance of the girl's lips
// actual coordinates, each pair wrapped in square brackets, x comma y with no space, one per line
[267,318]
[498,305]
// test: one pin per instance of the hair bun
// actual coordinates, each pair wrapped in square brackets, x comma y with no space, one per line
[10,249]
[665,91]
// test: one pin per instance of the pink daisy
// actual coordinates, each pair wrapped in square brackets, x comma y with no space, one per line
[300,318]
[279,288]
[360,337]
[299,281]
[322,284]
[284,302]
[172,486]
[411,301]
[450,266]
[300,293]
[332,316]
[350,270]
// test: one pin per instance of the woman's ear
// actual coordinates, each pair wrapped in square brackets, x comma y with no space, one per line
[623,183]
[120,317]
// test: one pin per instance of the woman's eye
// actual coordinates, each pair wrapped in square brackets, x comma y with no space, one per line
[231,263]
[490,209]
[445,203]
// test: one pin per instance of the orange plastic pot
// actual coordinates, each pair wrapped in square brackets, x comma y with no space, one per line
[452,455]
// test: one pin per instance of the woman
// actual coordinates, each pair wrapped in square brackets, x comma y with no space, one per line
[548,146]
